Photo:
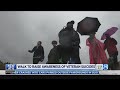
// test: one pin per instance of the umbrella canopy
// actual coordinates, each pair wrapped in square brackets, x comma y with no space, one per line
[88,25]
[109,32]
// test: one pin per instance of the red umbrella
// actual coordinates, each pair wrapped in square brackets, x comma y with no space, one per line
[110,32]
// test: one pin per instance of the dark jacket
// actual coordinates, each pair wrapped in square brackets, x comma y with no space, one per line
[69,44]
[38,51]
[53,56]
[68,37]
[110,45]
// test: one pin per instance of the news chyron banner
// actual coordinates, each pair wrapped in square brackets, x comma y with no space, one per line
[55,69]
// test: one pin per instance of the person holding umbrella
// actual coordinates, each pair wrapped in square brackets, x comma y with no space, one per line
[96,50]
[89,26]
[110,46]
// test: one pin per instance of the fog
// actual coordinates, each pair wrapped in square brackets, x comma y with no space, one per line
[20,31]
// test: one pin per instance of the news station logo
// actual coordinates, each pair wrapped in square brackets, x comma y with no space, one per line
[99,66]
[102,66]
[105,66]
[10,66]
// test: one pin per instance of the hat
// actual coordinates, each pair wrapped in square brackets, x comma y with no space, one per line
[71,22]
[40,42]
[54,42]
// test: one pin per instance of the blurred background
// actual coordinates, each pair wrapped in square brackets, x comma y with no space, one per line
[20,31]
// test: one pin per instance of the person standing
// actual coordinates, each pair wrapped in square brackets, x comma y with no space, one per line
[69,44]
[110,46]
[53,56]
[38,53]
[96,50]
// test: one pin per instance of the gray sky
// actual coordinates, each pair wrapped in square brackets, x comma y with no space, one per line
[20,31]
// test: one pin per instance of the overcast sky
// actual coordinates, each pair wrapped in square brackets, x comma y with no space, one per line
[20,31]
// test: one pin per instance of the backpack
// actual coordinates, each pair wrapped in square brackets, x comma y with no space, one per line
[67,38]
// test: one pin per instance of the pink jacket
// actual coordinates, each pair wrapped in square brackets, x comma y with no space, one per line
[97,52]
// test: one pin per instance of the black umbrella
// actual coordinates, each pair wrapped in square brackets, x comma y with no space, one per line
[88,25]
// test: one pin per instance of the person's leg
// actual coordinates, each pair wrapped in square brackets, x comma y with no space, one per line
[38,61]
[65,55]
[75,55]
[35,61]
[110,63]
[60,52]
[78,61]
[116,64]
[113,62]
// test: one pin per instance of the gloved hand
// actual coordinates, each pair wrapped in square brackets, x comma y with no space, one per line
[29,50]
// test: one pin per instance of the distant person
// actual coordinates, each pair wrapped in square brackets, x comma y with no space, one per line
[96,50]
[110,45]
[38,53]
[69,44]
[53,56]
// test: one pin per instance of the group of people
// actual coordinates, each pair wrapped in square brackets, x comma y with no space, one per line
[67,52]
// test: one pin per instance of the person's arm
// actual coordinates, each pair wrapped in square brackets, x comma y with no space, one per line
[115,42]
[42,52]
[49,56]
[59,34]
[31,51]
[105,45]
[76,39]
